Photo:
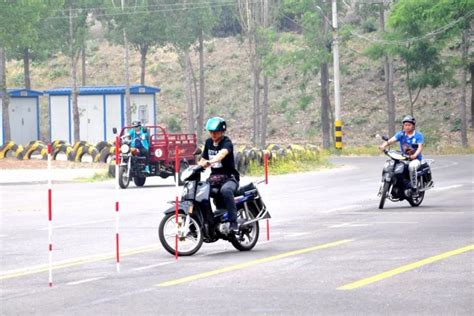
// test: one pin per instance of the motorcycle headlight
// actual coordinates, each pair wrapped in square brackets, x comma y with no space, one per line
[124,149]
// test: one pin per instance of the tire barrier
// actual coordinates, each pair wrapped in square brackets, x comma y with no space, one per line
[62,149]
[84,150]
[11,149]
[245,155]
[106,154]
[34,148]
[103,144]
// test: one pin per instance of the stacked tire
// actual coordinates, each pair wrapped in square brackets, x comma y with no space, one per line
[11,149]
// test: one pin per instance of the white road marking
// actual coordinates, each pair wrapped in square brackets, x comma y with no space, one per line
[348,207]
[153,266]
[78,224]
[85,281]
[297,234]
[455,186]
[350,224]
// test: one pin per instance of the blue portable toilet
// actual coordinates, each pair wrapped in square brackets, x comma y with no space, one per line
[24,116]
[100,109]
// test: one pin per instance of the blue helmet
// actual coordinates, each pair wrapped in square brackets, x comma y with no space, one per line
[216,124]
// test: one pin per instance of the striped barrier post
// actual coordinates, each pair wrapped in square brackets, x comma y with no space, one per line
[338,134]
[50,220]
[265,167]
[176,167]
[117,205]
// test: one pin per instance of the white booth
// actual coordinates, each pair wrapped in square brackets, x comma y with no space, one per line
[24,116]
[100,109]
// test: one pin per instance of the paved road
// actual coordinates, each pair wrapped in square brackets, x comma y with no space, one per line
[331,251]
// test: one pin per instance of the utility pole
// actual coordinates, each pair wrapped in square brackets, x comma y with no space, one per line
[128,108]
[337,96]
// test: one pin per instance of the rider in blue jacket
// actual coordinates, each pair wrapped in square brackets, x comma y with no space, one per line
[411,143]
[139,136]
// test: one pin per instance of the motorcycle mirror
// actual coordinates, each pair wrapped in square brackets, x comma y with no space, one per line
[198,151]
[114,130]
[385,138]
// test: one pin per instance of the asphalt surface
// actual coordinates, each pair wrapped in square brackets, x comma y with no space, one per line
[331,250]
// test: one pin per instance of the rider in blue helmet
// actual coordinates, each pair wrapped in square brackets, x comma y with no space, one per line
[139,137]
[219,155]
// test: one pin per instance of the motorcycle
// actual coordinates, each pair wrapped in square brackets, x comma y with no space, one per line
[197,222]
[132,165]
[396,185]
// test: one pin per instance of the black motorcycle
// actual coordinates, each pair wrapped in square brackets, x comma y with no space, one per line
[197,222]
[396,185]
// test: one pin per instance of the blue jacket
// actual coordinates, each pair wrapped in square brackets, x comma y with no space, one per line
[140,139]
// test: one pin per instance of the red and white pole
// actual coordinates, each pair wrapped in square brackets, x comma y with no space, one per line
[176,168]
[265,167]
[50,219]
[117,206]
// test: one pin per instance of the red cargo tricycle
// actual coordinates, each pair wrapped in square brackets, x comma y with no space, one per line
[162,155]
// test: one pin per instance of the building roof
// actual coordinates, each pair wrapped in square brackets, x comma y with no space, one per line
[100,90]
[23,93]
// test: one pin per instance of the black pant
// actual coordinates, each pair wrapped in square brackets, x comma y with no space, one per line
[227,191]
[146,154]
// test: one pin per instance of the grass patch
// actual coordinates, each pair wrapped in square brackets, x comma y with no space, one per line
[289,165]
[96,177]
[368,150]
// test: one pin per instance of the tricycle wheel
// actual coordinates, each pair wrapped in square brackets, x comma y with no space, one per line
[124,180]
[139,181]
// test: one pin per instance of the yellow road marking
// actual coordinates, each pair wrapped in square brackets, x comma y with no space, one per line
[404,268]
[74,262]
[251,263]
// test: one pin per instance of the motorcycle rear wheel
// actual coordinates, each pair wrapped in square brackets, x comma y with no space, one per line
[383,197]
[248,237]
[187,245]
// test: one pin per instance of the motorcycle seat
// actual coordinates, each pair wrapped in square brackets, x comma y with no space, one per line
[245,188]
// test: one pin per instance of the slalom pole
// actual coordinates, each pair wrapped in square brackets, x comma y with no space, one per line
[50,220]
[176,168]
[265,167]
[117,205]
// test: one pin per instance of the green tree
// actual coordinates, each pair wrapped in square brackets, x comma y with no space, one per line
[258,21]
[144,22]
[458,15]
[312,53]
[419,49]
[34,42]
[70,27]
[20,28]
[190,24]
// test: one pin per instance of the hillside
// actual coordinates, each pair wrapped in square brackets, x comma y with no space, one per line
[229,93]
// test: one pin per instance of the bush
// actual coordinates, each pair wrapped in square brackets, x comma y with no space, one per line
[369,25]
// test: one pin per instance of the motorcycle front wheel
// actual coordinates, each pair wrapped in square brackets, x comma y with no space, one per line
[416,201]
[248,235]
[383,196]
[124,180]
[187,245]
